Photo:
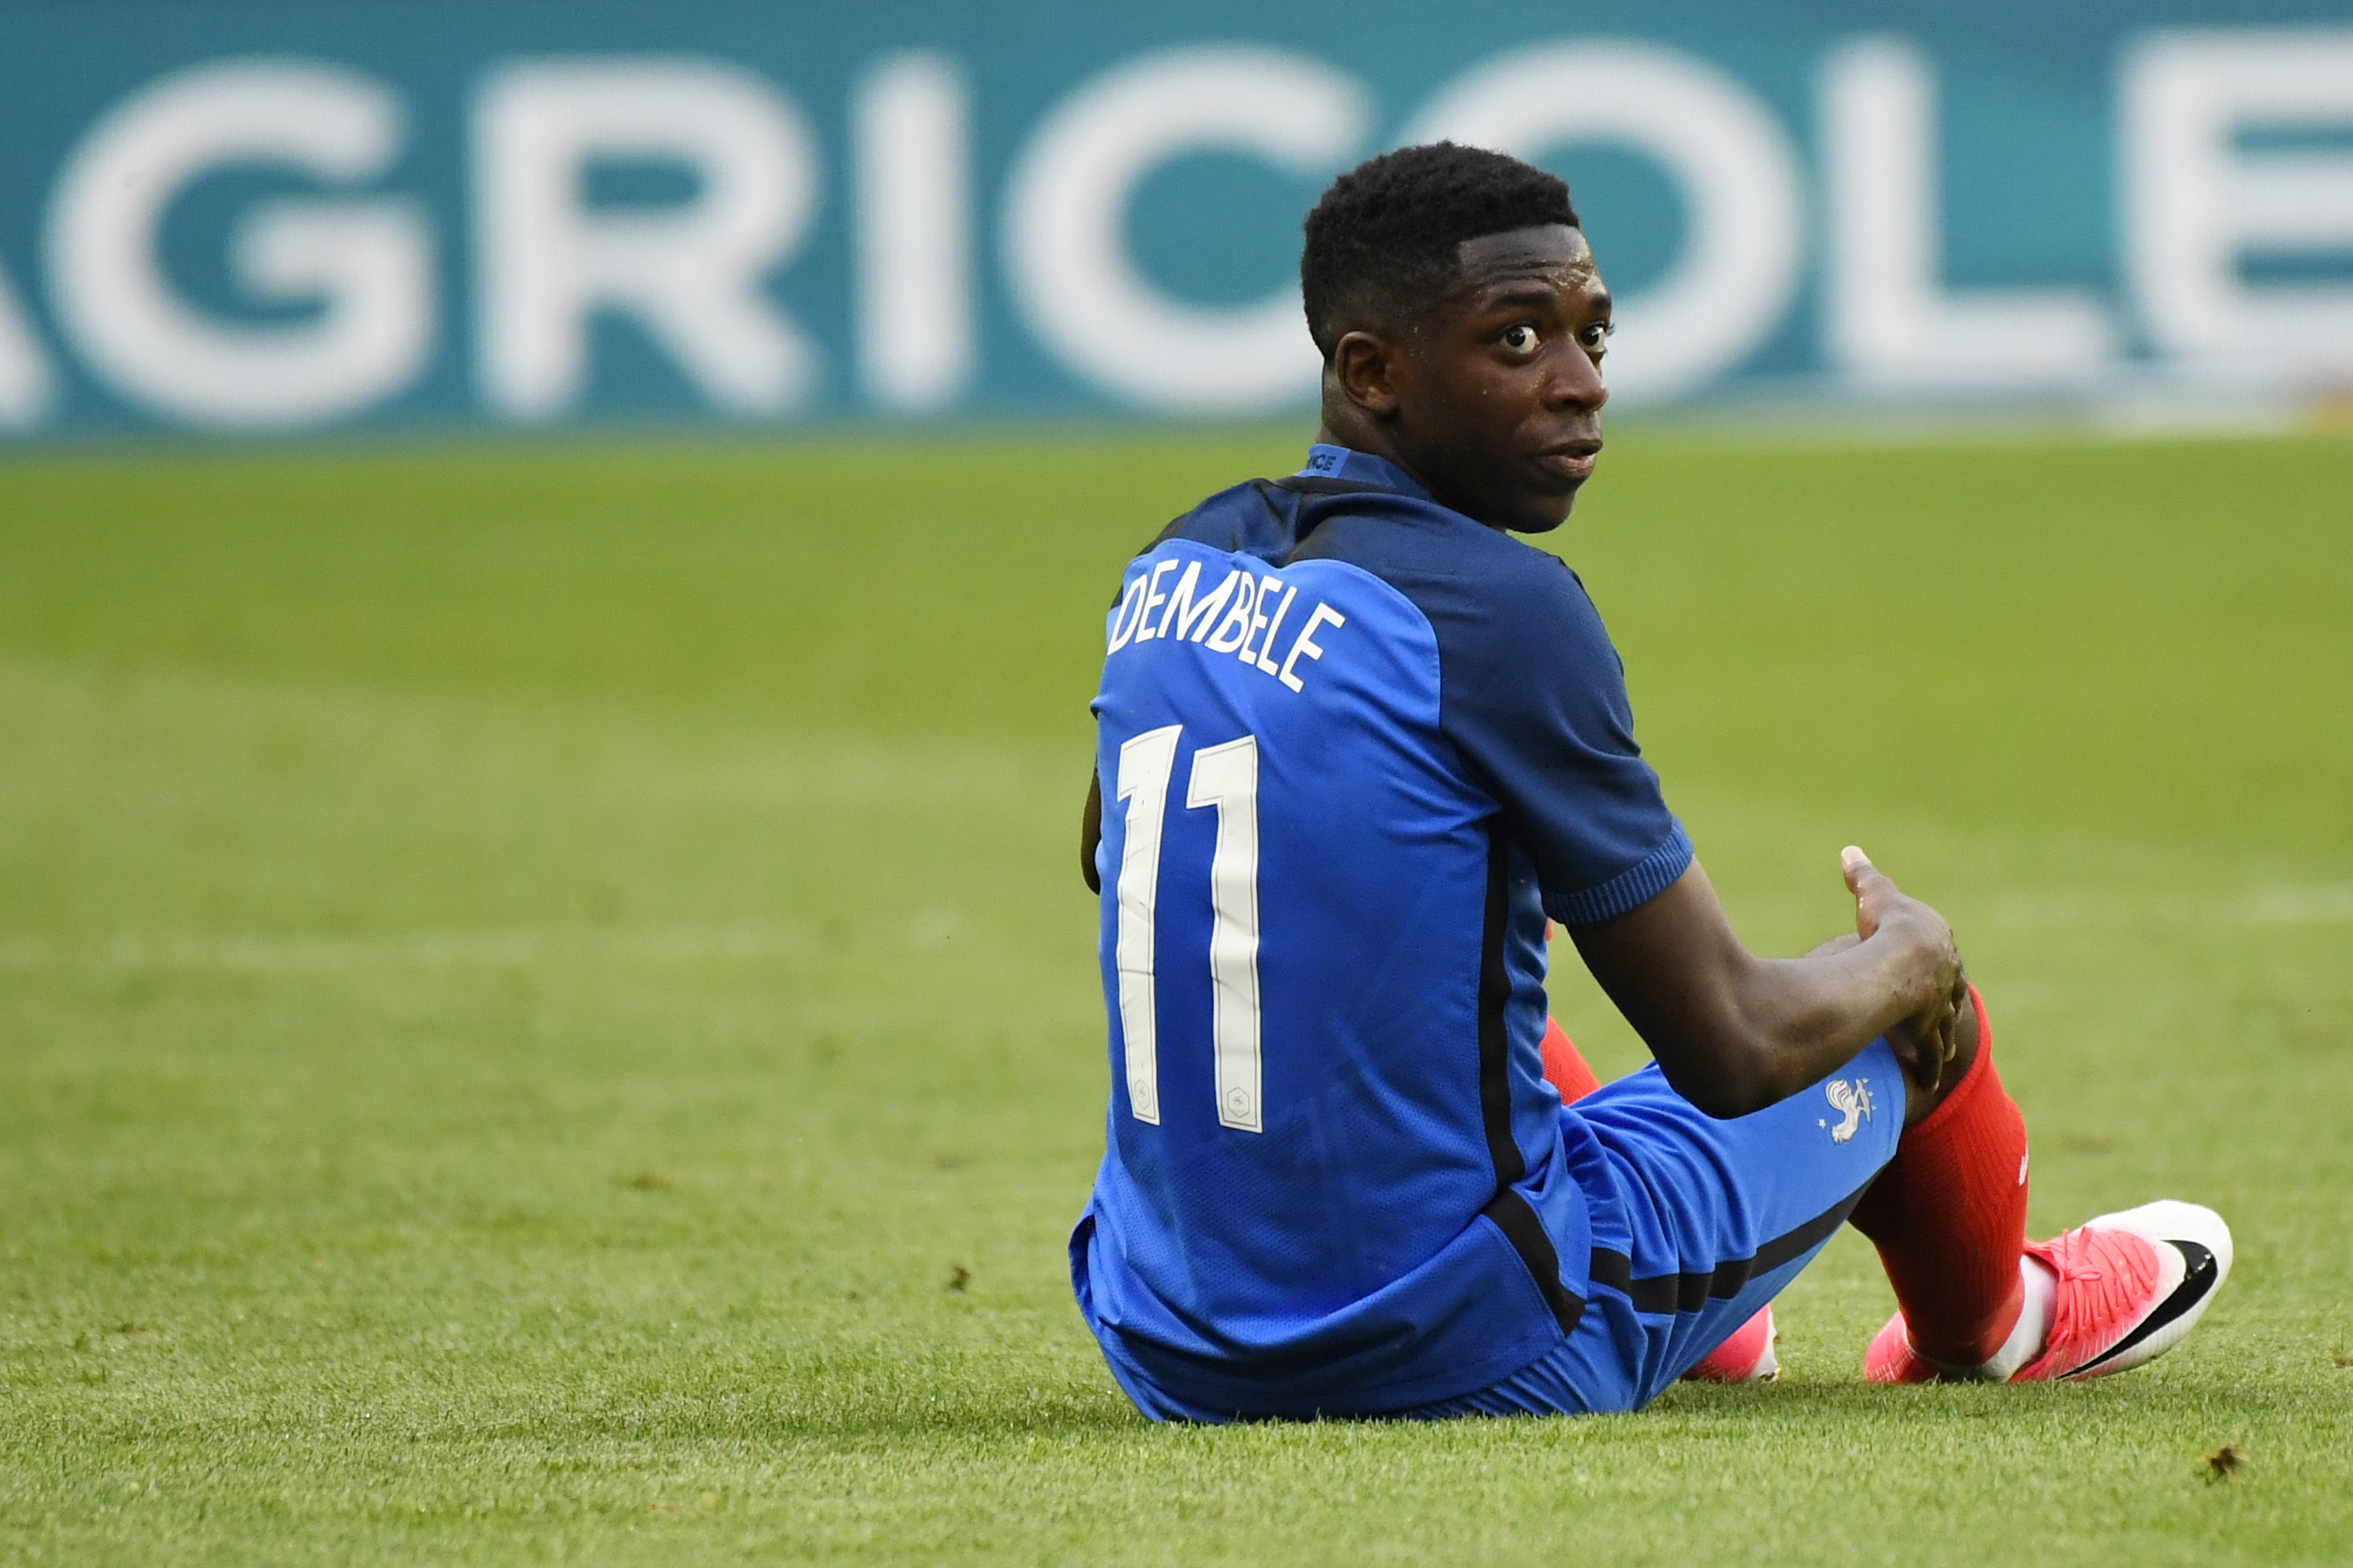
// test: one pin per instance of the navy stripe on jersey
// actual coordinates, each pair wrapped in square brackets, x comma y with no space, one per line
[1509,1211]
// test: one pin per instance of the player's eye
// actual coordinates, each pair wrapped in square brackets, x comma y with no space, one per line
[1521,339]
[1596,338]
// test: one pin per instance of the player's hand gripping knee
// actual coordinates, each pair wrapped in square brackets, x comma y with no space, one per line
[1883,911]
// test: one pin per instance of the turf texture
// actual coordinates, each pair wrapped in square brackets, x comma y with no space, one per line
[547,1013]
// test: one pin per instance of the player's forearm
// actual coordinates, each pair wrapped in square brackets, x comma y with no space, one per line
[1733,1032]
[1805,1018]
[1767,1027]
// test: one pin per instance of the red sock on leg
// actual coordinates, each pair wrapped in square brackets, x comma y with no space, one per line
[1564,1067]
[1948,1216]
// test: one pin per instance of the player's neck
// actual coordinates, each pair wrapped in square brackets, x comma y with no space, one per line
[1361,435]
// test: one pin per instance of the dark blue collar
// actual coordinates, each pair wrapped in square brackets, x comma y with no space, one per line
[1358,467]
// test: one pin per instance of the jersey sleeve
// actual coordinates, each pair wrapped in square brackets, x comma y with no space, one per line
[1534,701]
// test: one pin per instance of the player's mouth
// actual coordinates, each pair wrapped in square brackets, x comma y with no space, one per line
[1570,461]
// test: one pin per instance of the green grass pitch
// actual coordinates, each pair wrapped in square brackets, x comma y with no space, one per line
[547,1015]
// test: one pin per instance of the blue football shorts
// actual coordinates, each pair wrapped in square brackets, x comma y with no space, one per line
[1708,1222]
[1696,1222]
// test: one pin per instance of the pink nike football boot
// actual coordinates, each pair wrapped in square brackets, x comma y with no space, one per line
[2128,1288]
[1747,1357]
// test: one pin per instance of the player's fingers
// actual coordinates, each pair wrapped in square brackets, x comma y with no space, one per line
[1935,1058]
[1866,881]
[1932,1051]
[1926,1070]
[1870,889]
[1934,1038]
[1915,1049]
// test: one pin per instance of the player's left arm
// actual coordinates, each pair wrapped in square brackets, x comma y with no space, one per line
[1091,834]
[1090,819]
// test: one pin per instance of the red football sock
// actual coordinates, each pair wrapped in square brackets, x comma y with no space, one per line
[1948,1216]
[1563,1068]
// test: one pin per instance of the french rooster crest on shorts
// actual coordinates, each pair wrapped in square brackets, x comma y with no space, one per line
[1852,1100]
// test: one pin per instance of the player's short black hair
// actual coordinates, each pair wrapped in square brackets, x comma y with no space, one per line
[1382,242]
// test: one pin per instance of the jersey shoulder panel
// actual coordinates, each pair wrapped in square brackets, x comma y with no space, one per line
[1257,517]
[1533,696]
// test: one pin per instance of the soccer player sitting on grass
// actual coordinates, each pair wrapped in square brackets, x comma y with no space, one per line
[1355,743]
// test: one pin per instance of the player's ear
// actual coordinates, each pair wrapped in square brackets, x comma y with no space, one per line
[1365,367]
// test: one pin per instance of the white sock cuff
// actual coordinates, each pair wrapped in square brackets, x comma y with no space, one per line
[2026,1340]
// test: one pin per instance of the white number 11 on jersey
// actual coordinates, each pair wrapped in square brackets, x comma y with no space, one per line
[1224,776]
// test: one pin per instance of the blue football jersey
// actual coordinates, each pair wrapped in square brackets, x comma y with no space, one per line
[1354,747]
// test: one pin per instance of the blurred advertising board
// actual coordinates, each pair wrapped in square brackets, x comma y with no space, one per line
[274,217]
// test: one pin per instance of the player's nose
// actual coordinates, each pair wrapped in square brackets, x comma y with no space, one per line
[1577,382]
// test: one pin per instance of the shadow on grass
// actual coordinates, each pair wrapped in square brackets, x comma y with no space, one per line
[892,1409]
[2171,1404]
[873,1397]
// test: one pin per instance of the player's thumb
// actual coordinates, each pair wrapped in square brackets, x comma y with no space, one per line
[1869,888]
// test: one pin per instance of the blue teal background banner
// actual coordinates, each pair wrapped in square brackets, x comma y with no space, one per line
[277,218]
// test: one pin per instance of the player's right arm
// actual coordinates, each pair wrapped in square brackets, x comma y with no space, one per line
[1733,1032]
